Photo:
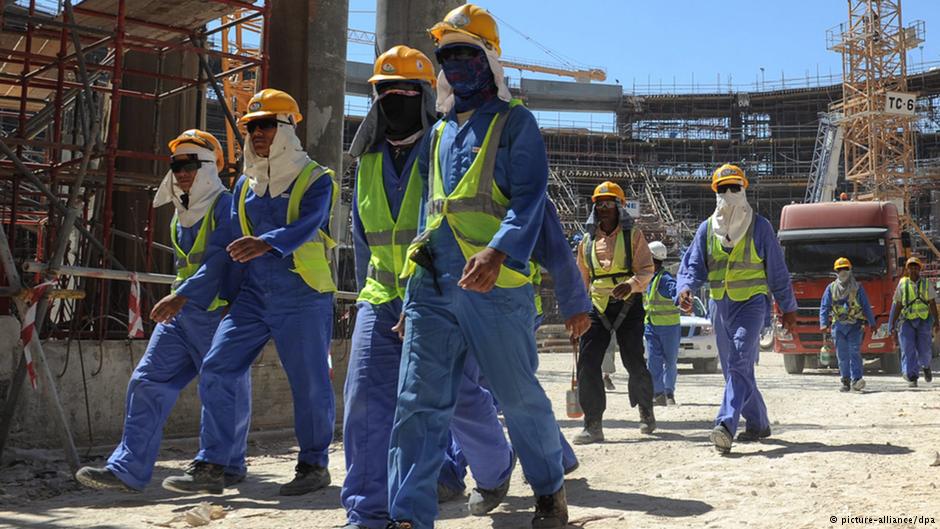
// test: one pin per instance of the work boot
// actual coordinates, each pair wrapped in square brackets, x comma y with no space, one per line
[845,386]
[859,384]
[749,436]
[608,383]
[912,381]
[446,494]
[647,420]
[399,525]
[200,477]
[670,399]
[102,479]
[482,501]
[659,399]
[593,432]
[928,376]
[307,478]
[551,512]
[233,479]
[721,438]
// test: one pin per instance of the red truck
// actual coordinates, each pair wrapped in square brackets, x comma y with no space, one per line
[813,236]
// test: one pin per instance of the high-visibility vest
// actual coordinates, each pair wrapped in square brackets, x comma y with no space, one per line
[188,264]
[846,310]
[311,260]
[475,208]
[603,280]
[537,287]
[660,310]
[388,238]
[741,273]
[914,304]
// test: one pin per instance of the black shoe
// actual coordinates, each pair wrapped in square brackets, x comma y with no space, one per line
[482,501]
[399,525]
[307,478]
[608,383]
[749,436]
[911,381]
[670,399]
[200,477]
[928,376]
[659,399]
[102,479]
[446,494]
[233,479]
[551,512]
[647,420]
[593,432]
[846,386]
[721,438]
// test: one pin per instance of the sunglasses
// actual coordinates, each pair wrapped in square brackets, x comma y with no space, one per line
[457,53]
[734,188]
[188,164]
[605,204]
[263,124]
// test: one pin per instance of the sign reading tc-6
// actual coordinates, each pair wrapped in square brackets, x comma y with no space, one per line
[902,103]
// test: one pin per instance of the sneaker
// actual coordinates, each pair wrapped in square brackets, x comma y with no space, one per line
[551,512]
[102,479]
[749,436]
[307,478]
[928,376]
[200,477]
[659,399]
[608,383]
[859,384]
[670,399]
[647,420]
[482,501]
[845,386]
[593,432]
[912,382]
[721,438]
[446,494]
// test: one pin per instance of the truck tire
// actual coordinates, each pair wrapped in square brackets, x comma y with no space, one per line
[710,366]
[793,363]
[891,363]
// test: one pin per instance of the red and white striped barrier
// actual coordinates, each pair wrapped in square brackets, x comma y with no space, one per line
[135,323]
[28,330]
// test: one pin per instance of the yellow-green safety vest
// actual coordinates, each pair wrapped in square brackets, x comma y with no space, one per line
[660,310]
[845,311]
[603,280]
[741,273]
[188,264]
[537,287]
[388,238]
[475,208]
[914,304]
[311,259]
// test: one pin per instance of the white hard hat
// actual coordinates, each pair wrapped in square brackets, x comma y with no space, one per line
[658,250]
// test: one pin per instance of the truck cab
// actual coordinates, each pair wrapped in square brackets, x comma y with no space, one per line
[813,236]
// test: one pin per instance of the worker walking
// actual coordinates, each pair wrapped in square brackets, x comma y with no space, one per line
[282,207]
[735,251]
[616,266]
[200,230]
[472,293]
[913,321]
[844,309]
[661,329]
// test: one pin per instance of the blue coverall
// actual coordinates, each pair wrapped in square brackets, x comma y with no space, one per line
[445,323]
[916,337]
[174,356]
[274,302]
[662,342]
[847,335]
[737,324]
[371,390]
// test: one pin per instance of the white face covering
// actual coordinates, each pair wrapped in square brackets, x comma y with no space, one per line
[844,275]
[732,217]
[206,187]
[285,160]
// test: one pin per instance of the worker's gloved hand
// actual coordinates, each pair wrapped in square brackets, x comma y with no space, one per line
[400,327]
[685,301]
[577,325]
[481,270]
[247,248]
[167,307]
[789,321]
[622,290]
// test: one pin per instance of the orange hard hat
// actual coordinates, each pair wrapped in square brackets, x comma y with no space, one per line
[402,63]
[473,21]
[609,189]
[727,174]
[913,261]
[269,103]
[202,139]
[842,263]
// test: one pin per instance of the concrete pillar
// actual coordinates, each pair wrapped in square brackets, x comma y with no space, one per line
[406,22]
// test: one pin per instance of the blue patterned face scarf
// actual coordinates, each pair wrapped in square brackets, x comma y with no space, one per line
[468,72]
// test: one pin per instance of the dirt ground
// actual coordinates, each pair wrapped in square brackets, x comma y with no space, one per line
[832,455]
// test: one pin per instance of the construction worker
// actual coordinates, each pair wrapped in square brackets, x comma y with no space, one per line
[661,329]
[844,309]
[736,252]
[470,291]
[616,266]
[282,207]
[913,317]
[200,230]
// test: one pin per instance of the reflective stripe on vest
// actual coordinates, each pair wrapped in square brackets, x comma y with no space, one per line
[914,304]
[603,280]
[388,238]
[660,310]
[845,310]
[741,273]
[475,208]
[187,264]
[311,260]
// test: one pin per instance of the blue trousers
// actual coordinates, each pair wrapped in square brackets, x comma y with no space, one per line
[173,358]
[370,398]
[301,325]
[737,328]
[848,339]
[662,348]
[915,338]
[442,330]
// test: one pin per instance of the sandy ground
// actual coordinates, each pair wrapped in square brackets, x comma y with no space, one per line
[832,455]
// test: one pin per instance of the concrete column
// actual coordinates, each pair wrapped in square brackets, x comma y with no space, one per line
[406,22]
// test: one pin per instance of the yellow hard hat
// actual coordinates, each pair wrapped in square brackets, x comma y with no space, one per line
[609,189]
[269,103]
[842,262]
[471,20]
[725,174]
[402,63]
[913,261]
[202,139]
